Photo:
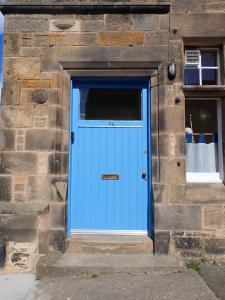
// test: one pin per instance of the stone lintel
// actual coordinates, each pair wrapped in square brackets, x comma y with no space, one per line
[84,9]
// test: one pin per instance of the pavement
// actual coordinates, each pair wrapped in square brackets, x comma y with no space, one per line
[181,284]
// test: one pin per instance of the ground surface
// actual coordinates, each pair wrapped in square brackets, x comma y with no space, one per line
[170,285]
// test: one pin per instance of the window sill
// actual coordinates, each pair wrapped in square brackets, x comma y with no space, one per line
[205,91]
[203,177]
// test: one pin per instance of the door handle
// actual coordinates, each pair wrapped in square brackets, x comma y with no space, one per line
[144,175]
[72,137]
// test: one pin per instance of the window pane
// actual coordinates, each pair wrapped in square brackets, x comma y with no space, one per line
[209,77]
[209,58]
[201,136]
[191,76]
[110,104]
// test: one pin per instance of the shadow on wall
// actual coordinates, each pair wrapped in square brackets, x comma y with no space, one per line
[1,48]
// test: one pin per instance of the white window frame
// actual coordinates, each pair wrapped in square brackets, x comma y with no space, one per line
[200,67]
[213,177]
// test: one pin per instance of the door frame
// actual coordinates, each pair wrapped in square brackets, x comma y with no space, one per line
[142,81]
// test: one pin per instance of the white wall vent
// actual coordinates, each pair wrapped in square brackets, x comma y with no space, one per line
[192,58]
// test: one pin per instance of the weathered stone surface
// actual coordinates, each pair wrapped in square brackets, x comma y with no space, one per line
[6,188]
[7,139]
[38,188]
[188,23]
[16,116]
[214,217]
[66,24]
[57,240]
[26,23]
[11,44]
[171,145]
[145,22]
[215,246]
[198,193]
[112,38]
[161,193]
[58,189]
[92,25]
[118,22]
[57,216]
[162,242]
[31,51]
[18,228]
[171,119]
[26,68]
[170,217]
[58,163]
[18,163]
[42,139]
[156,38]
[177,193]
[10,92]
[55,116]
[187,243]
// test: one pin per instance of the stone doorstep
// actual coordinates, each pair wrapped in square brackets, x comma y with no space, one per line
[57,265]
[87,243]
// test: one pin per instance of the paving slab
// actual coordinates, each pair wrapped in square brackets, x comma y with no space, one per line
[214,276]
[181,285]
[18,286]
[80,264]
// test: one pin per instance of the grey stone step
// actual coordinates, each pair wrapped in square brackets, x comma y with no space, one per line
[109,244]
[84,264]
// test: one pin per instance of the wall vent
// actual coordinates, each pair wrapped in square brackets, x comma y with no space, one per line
[192,58]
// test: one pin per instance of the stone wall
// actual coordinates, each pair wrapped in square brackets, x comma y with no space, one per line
[34,139]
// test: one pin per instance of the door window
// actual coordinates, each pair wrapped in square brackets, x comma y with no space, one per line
[110,104]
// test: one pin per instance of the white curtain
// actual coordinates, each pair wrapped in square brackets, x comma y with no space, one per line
[202,157]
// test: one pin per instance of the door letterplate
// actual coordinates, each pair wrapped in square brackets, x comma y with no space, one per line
[110,177]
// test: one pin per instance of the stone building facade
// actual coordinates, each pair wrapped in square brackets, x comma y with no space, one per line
[46,43]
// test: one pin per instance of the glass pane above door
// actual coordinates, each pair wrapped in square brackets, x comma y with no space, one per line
[110,104]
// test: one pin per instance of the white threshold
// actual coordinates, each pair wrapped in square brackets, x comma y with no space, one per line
[197,177]
[109,232]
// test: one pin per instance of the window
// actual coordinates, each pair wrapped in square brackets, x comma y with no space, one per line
[201,67]
[110,104]
[203,140]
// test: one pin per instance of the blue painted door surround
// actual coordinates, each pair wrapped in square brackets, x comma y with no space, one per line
[110,177]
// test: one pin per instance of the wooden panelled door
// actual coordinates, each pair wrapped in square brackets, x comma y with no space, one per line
[109,174]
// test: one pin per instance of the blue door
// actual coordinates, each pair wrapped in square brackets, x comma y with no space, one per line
[109,184]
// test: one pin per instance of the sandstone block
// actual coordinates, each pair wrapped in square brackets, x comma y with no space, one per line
[38,188]
[215,246]
[18,163]
[171,119]
[118,22]
[26,68]
[55,116]
[16,116]
[42,139]
[205,193]
[26,23]
[57,216]
[160,193]
[57,240]
[7,139]
[91,25]
[162,242]
[58,189]
[214,217]
[113,38]
[31,51]
[145,22]
[181,217]
[11,44]
[6,188]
